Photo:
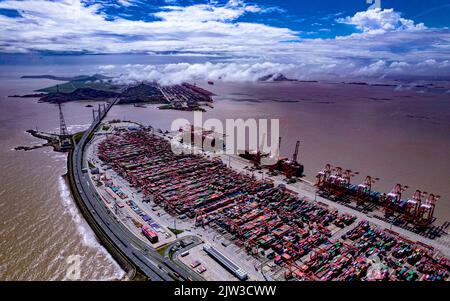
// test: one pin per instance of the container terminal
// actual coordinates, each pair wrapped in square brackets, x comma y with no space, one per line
[261,227]
[415,213]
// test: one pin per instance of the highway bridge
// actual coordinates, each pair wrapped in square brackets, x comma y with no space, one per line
[144,258]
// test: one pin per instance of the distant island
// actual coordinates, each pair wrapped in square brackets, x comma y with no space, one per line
[73,78]
[275,77]
[29,95]
[98,87]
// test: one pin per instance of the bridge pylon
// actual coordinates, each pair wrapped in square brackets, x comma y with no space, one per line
[64,136]
[63,132]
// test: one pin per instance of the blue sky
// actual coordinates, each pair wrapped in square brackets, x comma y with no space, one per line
[314,19]
[303,38]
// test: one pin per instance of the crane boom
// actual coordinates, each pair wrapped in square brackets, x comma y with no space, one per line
[294,157]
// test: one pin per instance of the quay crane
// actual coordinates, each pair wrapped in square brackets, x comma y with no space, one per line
[332,180]
[426,211]
[293,168]
[364,191]
[412,206]
[290,168]
[334,184]
[338,184]
[322,177]
[392,200]
[345,182]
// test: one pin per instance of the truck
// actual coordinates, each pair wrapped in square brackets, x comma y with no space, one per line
[152,236]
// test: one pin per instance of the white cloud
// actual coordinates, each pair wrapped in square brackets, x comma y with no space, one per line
[177,73]
[372,69]
[106,67]
[379,21]
[398,47]
[125,2]
[201,13]
[68,25]
[252,71]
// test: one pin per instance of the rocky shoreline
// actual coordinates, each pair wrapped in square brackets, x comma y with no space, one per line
[52,141]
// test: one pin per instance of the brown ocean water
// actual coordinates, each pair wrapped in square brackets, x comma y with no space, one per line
[398,136]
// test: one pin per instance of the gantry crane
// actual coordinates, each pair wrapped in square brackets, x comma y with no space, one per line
[426,211]
[322,177]
[364,190]
[293,168]
[343,184]
[393,198]
[411,210]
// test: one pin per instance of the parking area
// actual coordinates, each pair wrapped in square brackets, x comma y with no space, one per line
[198,260]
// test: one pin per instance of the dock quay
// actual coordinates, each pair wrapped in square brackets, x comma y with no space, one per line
[415,214]
[288,229]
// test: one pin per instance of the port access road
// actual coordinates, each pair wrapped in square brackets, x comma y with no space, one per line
[143,258]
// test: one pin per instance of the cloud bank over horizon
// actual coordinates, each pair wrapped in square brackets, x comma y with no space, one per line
[382,43]
[175,73]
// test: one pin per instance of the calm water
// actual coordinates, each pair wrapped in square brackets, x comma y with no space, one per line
[397,136]
[40,225]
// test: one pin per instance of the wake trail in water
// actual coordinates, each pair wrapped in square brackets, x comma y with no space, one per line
[88,236]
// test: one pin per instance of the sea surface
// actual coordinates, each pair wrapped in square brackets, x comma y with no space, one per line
[398,136]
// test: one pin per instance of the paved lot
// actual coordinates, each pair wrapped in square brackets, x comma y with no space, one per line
[214,271]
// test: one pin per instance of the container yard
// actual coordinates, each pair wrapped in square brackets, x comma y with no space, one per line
[283,229]
[415,213]
[185,96]
[396,258]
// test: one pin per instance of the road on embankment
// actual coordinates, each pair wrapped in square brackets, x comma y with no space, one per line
[133,255]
